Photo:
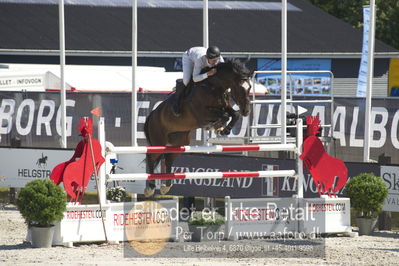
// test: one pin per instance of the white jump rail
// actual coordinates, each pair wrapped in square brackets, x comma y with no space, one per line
[292,101]
[196,175]
[279,126]
[110,148]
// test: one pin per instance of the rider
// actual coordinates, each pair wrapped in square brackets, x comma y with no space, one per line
[194,60]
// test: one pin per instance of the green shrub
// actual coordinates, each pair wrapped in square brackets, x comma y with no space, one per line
[367,193]
[117,193]
[41,203]
[206,219]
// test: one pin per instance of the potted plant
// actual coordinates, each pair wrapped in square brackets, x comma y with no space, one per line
[41,203]
[205,226]
[116,194]
[367,193]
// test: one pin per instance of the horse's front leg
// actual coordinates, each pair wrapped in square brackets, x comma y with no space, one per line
[220,123]
[217,118]
[235,115]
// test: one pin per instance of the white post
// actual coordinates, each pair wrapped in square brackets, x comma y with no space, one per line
[227,218]
[62,66]
[299,170]
[370,72]
[205,24]
[208,202]
[134,68]
[299,143]
[283,86]
[102,173]
[205,43]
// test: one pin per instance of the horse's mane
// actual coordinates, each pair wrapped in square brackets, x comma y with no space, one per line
[237,66]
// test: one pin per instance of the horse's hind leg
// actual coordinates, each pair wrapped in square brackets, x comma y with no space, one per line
[175,139]
[151,161]
[167,184]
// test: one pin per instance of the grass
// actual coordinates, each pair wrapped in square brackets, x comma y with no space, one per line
[4,195]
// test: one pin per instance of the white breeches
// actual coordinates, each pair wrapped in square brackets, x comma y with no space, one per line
[188,67]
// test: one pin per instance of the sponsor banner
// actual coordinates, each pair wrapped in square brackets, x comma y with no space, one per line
[248,187]
[86,214]
[20,166]
[234,187]
[393,77]
[33,120]
[326,215]
[362,78]
[25,165]
[83,223]
[12,82]
[257,218]
[390,175]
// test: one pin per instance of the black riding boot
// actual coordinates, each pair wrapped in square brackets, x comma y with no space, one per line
[180,87]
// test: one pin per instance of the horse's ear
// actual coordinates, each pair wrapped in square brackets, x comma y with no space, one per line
[249,74]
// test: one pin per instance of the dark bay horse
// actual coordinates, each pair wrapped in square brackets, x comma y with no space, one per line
[207,105]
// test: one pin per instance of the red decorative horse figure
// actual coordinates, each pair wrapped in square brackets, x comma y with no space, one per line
[323,167]
[76,173]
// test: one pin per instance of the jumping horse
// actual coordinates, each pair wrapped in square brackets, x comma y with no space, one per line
[205,105]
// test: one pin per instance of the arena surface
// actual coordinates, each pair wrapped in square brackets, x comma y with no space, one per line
[380,249]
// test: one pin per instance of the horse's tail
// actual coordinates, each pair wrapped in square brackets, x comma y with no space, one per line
[146,133]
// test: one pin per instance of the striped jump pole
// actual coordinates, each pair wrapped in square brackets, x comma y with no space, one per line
[110,148]
[197,175]
[199,149]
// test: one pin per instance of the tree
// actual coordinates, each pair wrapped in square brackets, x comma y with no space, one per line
[387,16]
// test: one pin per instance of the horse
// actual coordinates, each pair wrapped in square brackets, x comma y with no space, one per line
[42,162]
[205,105]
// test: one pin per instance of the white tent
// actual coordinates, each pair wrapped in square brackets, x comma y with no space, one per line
[24,77]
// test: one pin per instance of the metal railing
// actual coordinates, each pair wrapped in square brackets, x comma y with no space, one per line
[254,125]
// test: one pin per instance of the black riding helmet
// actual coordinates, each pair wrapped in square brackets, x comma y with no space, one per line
[213,52]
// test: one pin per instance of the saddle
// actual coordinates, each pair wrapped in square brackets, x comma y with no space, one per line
[182,93]
[181,90]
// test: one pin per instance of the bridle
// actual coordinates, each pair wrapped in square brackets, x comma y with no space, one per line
[246,84]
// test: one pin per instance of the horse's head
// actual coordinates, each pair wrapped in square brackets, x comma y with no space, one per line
[234,75]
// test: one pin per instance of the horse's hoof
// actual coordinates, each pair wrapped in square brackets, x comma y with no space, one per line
[225,132]
[164,189]
[218,132]
[148,192]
